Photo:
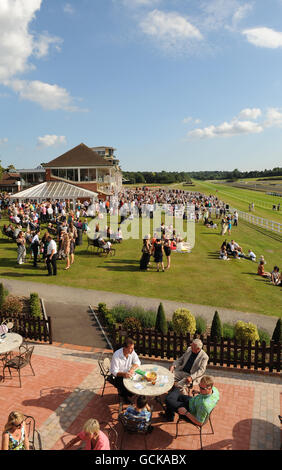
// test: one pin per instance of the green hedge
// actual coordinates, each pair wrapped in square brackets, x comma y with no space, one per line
[35,306]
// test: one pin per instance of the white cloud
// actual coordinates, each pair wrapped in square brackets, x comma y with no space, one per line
[250,113]
[4,140]
[140,3]
[50,97]
[42,45]
[189,119]
[18,45]
[227,129]
[68,8]
[264,37]
[51,140]
[241,13]
[170,29]
[273,118]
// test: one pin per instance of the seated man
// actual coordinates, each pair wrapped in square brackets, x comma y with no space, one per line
[123,364]
[195,408]
[190,367]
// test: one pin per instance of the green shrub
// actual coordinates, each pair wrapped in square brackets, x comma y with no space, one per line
[147,318]
[201,325]
[264,336]
[228,331]
[216,327]
[35,306]
[246,332]
[131,323]
[277,333]
[12,306]
[3,294]
[161,323]
[169,325]
[183,321]
[102,308]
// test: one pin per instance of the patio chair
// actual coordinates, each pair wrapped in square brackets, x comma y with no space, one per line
[104,364]
[132,426]
[33,435]
[19,361]
[184,418]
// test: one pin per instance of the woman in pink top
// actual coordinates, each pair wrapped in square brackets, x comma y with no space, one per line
[93,437]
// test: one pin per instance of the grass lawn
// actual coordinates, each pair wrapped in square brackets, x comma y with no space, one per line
[198,277]
[240,198]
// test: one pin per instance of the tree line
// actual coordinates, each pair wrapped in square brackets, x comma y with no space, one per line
[166,177]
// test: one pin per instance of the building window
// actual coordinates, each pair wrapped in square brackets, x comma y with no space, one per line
[55,172]
[62,173]
[92,174]
[84,174]
[70,175]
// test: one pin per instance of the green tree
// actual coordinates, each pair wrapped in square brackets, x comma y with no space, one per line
[277,333]
[161,323]
[216,327]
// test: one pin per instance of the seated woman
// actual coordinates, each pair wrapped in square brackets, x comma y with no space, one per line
[15,436]
[223,253]
[141,410]
[275,276]
[261,271]
[94,438]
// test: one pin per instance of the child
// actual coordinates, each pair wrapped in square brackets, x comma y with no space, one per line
[91,434]
[140,410]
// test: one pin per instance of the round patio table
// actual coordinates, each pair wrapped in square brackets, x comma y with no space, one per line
[139,386]
[10,342]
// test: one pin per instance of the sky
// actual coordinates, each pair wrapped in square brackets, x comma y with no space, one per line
[174,85]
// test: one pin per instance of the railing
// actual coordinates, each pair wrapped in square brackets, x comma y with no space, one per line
[257,356]
[260,221]
[30,328]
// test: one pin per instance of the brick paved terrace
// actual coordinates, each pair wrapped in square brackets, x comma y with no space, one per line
[66,391]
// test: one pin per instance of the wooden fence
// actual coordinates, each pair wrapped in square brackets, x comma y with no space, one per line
[228,353]
[30,328]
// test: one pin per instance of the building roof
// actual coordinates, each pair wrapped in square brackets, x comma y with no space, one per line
[54,190]
[81,155]
[9,179]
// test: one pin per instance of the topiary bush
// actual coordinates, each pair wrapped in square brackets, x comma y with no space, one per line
[131,323]
[277,333]
[216,327]
[35,305]
[201,325]
[183,321]
[11,306]
[161,323]
[246,332]
[3,295]
[228,331]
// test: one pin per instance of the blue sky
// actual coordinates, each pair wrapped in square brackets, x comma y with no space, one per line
[176,85]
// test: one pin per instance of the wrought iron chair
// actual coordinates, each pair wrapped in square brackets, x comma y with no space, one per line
[34,437]
[131,425]
[187,420]
[104,364]
[19,361]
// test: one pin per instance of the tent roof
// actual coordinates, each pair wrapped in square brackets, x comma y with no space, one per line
[54,190]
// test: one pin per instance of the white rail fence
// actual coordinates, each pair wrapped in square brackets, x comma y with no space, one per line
[260,221]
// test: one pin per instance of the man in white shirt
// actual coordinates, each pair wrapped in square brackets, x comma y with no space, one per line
[123,364]
[51,259]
